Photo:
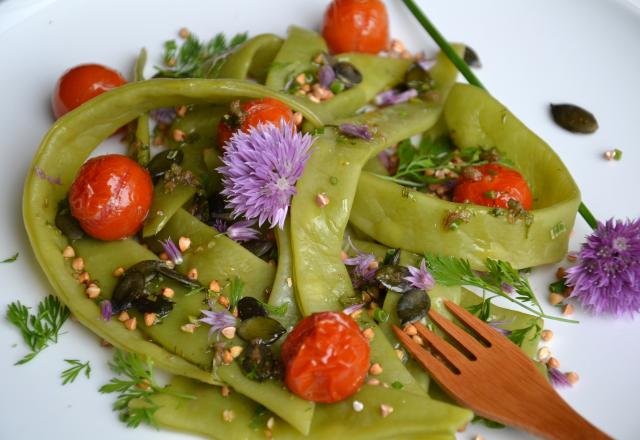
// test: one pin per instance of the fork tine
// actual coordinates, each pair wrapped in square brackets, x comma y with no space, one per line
[448,351]
[470,343]
[439,371]
[473,322]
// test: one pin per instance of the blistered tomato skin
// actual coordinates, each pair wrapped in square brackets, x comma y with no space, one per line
[253,113]
[356,26]
[111,197]
[326,357]
[495,188]
[81,83]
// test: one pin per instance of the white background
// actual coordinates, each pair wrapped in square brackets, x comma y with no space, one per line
[533,53]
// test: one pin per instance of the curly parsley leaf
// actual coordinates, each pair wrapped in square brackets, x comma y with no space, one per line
[41,329]
[70,374]
[11,259]
[195,58]
[135,388]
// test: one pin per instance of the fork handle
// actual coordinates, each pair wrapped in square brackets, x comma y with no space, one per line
[557,420]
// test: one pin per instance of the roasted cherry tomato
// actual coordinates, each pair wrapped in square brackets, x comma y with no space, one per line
[356,26]
[111,197]
[81,83]
[494,186]
[326,357]
[250,114]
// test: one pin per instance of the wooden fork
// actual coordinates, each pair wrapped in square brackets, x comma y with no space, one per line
[494,378]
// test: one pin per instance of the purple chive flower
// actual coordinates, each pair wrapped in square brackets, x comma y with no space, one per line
[172,251]
[426,63]
[352,309]
[106,309]
[506,288]
[220,225]
[326,75]
[497,325]
[242,231]
[354,130]
[163,115]
[44,176]
[260,171]
[362,262]
[420,278]
[217,320]
[391,97]
[557,378]
[606,278]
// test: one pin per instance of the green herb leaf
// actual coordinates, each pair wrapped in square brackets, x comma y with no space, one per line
[235,292]
[280,310]
[11,259]
[519,336]
[70,374]
[41,329]
[135,389]
[453,271]
[197,59]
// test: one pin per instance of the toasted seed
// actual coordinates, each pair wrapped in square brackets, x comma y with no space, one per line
[555,298]
[375,369]
[228,415]
[223,301]
[214,286]
[227,357]
[77,264]
[358,406]
[118,271]
[179,135]
[193,274]
[553,362]
[225,391]
[322,200]
[131,323]
[188,328]
[84,277]
[574,118]
[568,310]
[228,332]
[400,354]
[149,319]
[368,333]
[92,291]
[123,316]
[544,354]
[184,243]
[235,351]
[572,377]
[385,410]
[68,252]
[546,335]
[168,292]
[410,330]
[184,32]
[297,118]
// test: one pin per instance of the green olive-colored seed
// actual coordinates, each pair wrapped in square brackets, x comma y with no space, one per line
[574,118]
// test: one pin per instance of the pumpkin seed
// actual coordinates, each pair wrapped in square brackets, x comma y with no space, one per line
[413,305]
[68,225]
[161,306]
[260,363]
[347,73]
[248,307]
[261,328]
[471,57]
[130,287]
[393,278]
[419,79]
[574,118]
[161,162]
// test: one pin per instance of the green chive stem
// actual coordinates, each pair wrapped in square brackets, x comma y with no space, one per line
[472,78]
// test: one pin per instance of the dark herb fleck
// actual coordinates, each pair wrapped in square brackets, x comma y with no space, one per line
[11,259]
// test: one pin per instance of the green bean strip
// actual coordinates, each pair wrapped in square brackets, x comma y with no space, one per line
[433,421]
[164,205]
[294,57]
[282,291]
[316,233]
[252,59]
[142,141]
[402,218]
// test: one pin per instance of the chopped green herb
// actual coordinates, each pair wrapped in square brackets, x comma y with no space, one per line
[397,385]
[380,316]
[454,219]
[280,310]
[519,336]
[11,259]
[70,374]
[39,330]
[617,154]
[453,271]
[197,59]
[558,286]
[135,390]
[488,423]
[235,292]
[333,180]
[483,309]
[557,230]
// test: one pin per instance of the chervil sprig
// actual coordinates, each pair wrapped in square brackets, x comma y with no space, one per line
[70,374]
[135,389]
[453,271]
[197,59]
[41,329]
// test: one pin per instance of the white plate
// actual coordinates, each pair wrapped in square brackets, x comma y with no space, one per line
[580,51]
